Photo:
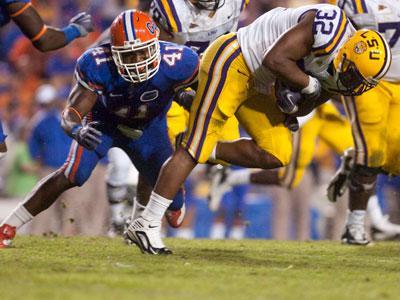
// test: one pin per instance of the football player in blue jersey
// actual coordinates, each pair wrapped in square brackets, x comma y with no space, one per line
[120,99]
[43,37]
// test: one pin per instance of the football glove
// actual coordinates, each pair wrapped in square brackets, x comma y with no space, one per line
[339,183]
[185,97]
[292,123]
[286,99]
[87,136]
[83,22]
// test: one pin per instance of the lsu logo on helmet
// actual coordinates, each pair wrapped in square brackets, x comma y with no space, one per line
[361,62]
[135,46]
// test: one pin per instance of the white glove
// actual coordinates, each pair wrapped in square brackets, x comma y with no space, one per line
[83,22]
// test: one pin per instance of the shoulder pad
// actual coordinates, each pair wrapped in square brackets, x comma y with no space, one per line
[180,63]
[92,68]
[330,25]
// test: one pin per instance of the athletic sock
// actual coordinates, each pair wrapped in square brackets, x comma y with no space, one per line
[156,207]
[137,209]
[18,217]
[237,177]
[356,217]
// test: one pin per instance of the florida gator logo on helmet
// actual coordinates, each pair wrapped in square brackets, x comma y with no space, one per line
[135,46]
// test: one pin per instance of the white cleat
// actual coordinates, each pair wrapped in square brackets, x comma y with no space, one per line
[218,186]
[147,236]
[355,235]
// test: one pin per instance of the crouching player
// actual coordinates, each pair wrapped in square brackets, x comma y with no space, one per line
[121,97]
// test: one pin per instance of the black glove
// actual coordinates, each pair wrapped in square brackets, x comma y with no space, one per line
[286,98]
[185,97]
[87,136]
[292,123]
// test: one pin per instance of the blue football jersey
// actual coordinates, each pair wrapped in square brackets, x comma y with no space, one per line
[4,16]
[135,105]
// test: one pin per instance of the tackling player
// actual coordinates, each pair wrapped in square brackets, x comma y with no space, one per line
[236,77]
[374,117]
[120,99]
[43,37]
[194,23]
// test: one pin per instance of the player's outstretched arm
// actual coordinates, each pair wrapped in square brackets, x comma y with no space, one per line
[294,45]
[43,37]
[80,102]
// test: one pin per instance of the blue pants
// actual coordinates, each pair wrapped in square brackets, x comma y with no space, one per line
[148,154]
[2,135]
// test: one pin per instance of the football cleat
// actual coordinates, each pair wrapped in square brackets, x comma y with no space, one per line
[7,233]
[175,217]
[147,236]
[355,235]
[338,184]
[218,186]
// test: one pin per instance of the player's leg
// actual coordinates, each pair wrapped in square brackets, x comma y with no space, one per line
[368,114]
[271,140]
[219,80]
[74,172]
[121,183]
[148,154]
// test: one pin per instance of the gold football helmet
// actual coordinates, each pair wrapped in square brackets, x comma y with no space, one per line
[361,62]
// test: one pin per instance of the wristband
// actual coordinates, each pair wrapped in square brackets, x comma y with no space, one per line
[71,33]
[313,86]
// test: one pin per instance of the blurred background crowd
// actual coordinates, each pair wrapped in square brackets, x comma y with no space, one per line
[33,90]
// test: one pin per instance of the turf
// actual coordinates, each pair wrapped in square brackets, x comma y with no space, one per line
[101,268]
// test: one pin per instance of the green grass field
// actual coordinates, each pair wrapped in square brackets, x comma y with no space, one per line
[101,268]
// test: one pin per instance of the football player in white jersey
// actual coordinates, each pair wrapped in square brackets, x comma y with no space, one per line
[308,51]
[374,117]
[194,23]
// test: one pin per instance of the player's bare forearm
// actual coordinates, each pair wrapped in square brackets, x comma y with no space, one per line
[80,102]
[43,37]
[294,45]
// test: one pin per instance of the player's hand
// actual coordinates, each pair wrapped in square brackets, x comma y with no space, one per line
[291,123]
[83,22]
[185,97]
[87,136]
[286,99]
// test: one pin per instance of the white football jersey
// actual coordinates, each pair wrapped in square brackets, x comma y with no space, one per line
[194,27]
[382,16]
[331,30]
